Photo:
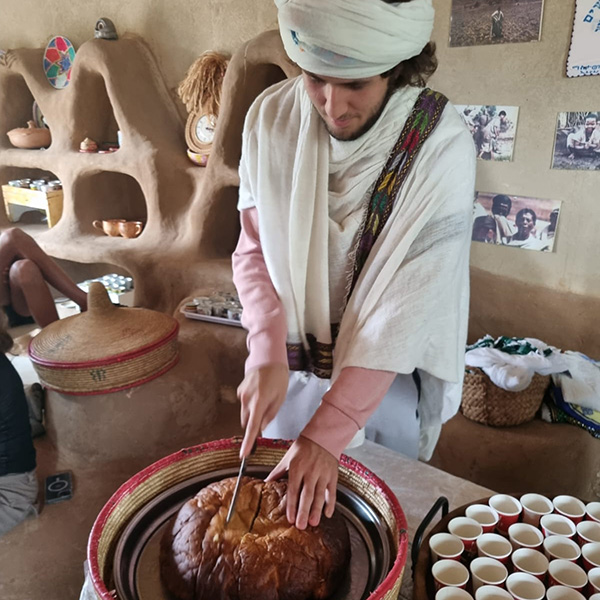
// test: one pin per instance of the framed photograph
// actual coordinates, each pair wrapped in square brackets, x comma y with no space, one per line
[577,141]
[493,128]
[584,53]
[481,22]
[517,221]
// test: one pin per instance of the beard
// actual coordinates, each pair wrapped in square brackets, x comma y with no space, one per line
[354,135]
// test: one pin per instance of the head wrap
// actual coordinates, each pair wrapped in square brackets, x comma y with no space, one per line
[353,39]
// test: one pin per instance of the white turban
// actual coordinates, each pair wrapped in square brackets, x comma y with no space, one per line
[353,39]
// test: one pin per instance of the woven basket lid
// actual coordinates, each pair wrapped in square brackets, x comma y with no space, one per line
[105,349]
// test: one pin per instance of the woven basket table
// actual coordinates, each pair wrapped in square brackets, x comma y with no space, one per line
[486,403]
[105,349]
[172,470]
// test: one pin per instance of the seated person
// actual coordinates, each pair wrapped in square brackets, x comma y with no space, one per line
[586,140]
[25,272]
[18,481]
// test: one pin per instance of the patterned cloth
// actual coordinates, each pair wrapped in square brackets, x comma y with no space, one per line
[556,410]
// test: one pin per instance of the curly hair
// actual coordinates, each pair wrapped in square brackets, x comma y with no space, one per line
[6,341]
[416,70]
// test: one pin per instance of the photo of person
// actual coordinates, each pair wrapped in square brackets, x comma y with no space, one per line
[480,22]
[577,142]
[518,221]
[493,128]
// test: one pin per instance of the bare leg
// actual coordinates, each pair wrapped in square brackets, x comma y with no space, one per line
[30,294]
[16,244]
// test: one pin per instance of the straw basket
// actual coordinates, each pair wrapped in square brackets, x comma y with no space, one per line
[141,489]
[486,403]
[105,349]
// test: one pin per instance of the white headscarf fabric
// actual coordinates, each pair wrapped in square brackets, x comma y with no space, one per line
[353,39]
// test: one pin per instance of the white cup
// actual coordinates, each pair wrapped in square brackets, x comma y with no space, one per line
[522,535]
[590,554]
[527,560]
[445,545]
[449,573]
[535,506]
[594,597]
[522,586]
[557,525]
[558,546]
[588,532]
[495,546]
[468,530]
[562,592]
[594,579]
[452,593]
[508,508]
[567,573]
[592,511]
[487,571]
[485,515]
[492,592]
[570,507]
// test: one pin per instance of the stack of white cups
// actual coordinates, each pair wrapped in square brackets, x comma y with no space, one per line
[531,548]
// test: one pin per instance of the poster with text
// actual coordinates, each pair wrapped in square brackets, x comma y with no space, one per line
[480,22]
[493,128]
[584,53]
[516,221]
[577,141]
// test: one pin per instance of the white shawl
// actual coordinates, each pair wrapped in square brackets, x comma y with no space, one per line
[409,308]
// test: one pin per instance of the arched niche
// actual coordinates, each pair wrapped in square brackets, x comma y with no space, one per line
[94,116]
[107,195]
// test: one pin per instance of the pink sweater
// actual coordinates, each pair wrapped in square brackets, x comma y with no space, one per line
[356,393]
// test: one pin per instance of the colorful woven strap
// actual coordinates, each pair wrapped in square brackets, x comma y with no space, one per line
[421,122]
[419,125]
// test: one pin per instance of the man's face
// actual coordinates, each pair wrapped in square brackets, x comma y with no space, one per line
[590,124]
[525,222]
[501,208]
[348,107]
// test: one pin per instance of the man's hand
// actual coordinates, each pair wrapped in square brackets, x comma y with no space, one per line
[261,394]
[312,480]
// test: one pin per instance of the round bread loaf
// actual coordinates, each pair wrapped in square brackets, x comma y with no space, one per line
[258,555]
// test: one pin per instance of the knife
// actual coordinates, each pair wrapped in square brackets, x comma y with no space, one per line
[236,490]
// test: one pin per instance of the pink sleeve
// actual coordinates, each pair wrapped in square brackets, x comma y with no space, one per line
[263,315]
[346,407]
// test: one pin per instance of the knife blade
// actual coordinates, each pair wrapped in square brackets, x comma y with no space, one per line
[236,490]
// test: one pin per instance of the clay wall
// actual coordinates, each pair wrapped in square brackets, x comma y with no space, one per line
[528,75]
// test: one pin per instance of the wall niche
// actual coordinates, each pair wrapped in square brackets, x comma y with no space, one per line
[94,118]
[108,195]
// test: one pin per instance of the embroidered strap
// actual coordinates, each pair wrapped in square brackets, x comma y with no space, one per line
[419,125]
[421,122]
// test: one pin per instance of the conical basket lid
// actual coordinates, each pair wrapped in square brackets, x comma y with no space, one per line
[105,333]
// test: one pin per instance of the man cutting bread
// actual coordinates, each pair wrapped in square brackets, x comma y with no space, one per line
[356,197]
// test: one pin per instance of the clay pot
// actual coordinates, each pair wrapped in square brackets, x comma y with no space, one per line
[30,136]
[131,229]
[109,226]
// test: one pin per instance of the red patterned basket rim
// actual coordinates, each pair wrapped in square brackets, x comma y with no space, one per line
[110,360]
[131,484]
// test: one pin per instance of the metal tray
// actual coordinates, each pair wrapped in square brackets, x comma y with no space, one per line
[210,318]
[135,565]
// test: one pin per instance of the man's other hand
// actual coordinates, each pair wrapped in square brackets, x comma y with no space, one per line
[312,480]
[261,395]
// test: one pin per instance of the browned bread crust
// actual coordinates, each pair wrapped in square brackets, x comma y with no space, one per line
[258,555]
